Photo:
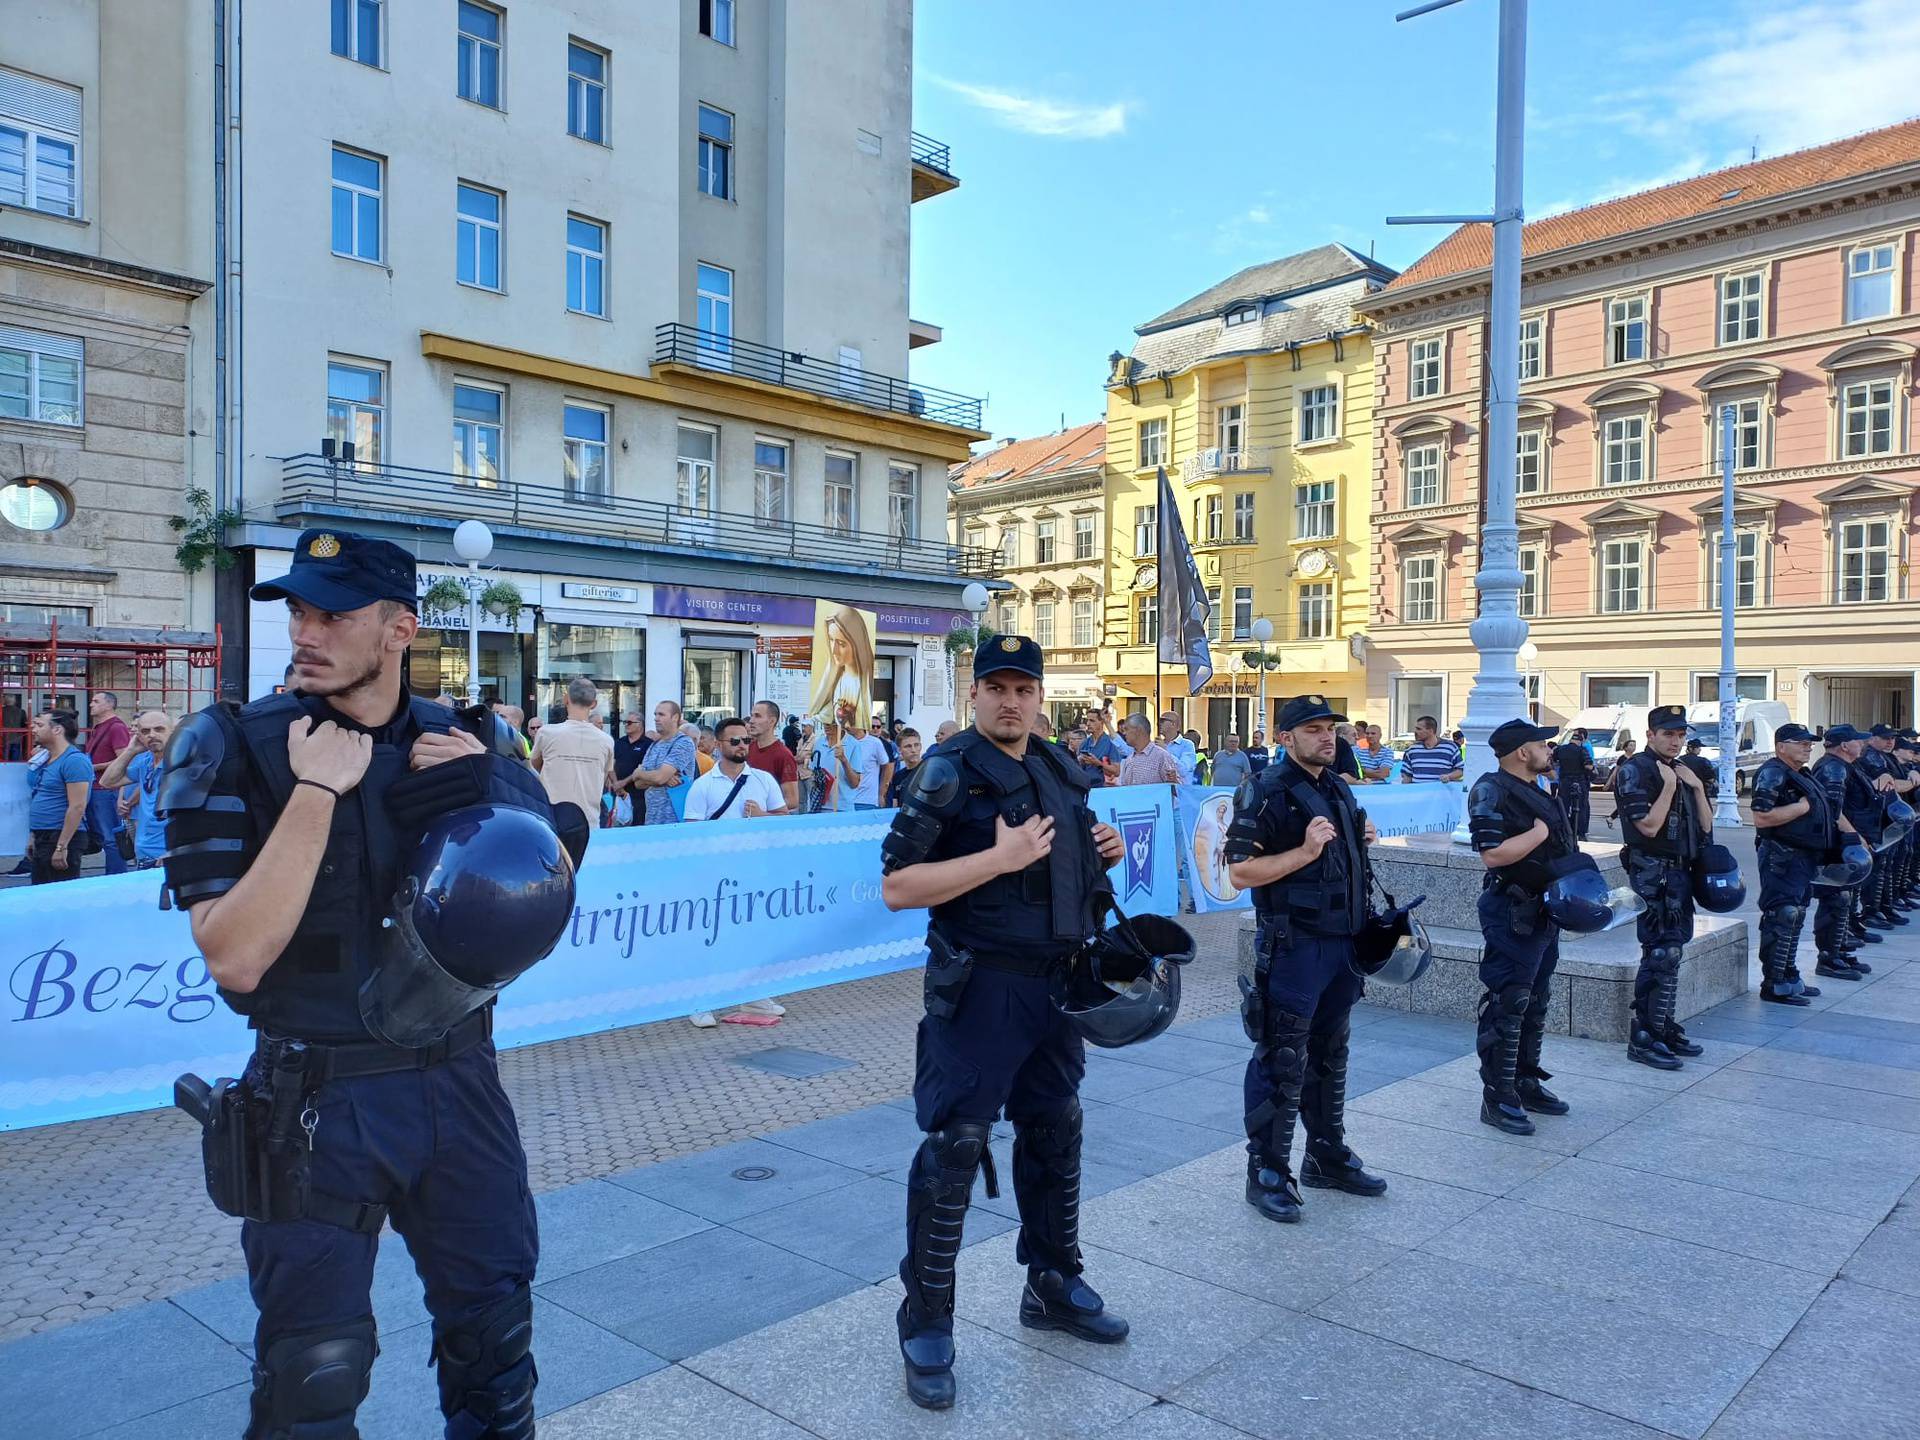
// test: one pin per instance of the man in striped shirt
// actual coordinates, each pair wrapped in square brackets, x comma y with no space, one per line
[1430,757]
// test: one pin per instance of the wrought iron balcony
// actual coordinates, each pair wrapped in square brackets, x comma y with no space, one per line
[1251,459]
[705,350]
[314,484]
[932,166]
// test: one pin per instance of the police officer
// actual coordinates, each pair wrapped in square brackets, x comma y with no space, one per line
[1665,821]
[1877,763]
[1573,775]
[1702,767]
[289,821]
[1836,929]
[1521,834]
[994,837]
[1906,756]
[1298,842]
[1798,830]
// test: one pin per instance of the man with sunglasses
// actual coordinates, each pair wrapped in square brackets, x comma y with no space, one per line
[733,789]
[136,772]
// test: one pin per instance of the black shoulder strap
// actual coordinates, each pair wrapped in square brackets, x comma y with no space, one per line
[739,781]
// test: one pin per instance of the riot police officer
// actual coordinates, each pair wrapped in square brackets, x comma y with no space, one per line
[1522,837]
[1573,778]
[1906,756]
[1665,822]
[1702,768]
[1798,830]
[1298,841]
[1876,761]
[994,837]
[1852,796]
[290,821]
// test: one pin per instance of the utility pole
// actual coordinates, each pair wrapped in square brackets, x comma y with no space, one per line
[1726,807]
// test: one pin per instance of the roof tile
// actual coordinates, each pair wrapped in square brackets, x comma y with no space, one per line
[1082,447]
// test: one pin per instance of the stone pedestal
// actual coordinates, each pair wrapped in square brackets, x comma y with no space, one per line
[1593,987]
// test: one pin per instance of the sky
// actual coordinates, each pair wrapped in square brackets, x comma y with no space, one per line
[1116,158]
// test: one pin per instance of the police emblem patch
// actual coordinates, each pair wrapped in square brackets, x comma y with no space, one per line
[1010,643]
[324,547]
[1315,700]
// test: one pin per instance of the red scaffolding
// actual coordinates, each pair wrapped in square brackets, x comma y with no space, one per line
[58,667]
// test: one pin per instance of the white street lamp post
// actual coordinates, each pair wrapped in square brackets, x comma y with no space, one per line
[1529,653]
[975,598]
[1262,632]
[473,542]
[1726,808]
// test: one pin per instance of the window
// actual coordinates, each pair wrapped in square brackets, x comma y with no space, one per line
[1533,347]
[1869,282]
[1009,623]
[713,315]
[1424,357]
[1010,545]
[357,409]
[903,501]
[38,506]
[1146,534]
[1747,685]
[1866,418]
[771,494]
[479,431]
[40,376]
[1739,308]
[1621,575]
[1746,575]
[1230,433]
[584,452]
[1044,547]
[1320,413]
[693,472]
[1243,612]
[1243,314]
[1083,537]
[1243,518]
[1866,561]
[1419,588]
[1529,580]
[1207,515]
[356,30]
[357,186]
[1748,447]
[1626,329]
[477,248]
[39,144]
[1414,696]
[586,92]
[1082,624]
[1043,624]
[1618,690]
[586,267]
[1313,517]
[843,489]
[1624,450]
[716,20]
[1153,443]
[1423,475]
[716,153]
[479,57]
[1526,462]
[1213,603]
[1315,611]
[1146,619]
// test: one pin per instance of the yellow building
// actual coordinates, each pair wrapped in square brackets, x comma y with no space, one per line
[1257,398]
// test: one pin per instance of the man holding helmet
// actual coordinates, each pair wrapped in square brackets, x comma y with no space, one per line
[1527,844]
[994,837]
[363,872]
[1298,842]
[1877,763]
[1666,822]
[1856,800]
[1799,830]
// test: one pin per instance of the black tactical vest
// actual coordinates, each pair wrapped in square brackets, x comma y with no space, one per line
[1815,831]
[1517,805]
[1327,897]
[1855,790]
[1680,837]
[1047,908]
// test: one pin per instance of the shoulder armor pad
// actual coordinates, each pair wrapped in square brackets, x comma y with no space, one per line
[937,783]
[195,752]
[497,735]
[1246,797]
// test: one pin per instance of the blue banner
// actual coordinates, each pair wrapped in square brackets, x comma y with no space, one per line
[108,998]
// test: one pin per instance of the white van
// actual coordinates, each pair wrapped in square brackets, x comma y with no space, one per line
[1607,726]
[1754,724]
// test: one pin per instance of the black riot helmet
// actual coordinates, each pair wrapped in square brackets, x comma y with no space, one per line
[1579,900]
[486,893]
[1896,821]
[1716,880]
[1124,987]
[1850,866]
[1392,947]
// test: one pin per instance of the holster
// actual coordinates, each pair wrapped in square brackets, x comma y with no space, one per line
[1270,936]
[1523,910]
[949,968]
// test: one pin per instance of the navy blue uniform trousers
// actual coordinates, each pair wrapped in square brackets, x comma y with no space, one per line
[440,1147]
[1005,1047]
[1313,976]
[1511,958]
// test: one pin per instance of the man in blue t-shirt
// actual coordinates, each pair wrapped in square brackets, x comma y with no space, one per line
[1103,751]
[61,788]
[136,772]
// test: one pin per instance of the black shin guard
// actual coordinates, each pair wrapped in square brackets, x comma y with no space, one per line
[487,1374]
[1502,1019]
[1323,1093]
[939,1189]
[1046,1182]
[1283,1056]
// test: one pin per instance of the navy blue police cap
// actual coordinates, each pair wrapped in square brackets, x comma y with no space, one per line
[1788,733]
[340,571]
[1515,733]
[1667,717]
[1883,732]
[1304,708]
[1010,652]
[1840,734]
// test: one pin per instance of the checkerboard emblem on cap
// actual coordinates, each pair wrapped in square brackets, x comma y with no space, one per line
[323,547]
[1315,700]
[1010,643]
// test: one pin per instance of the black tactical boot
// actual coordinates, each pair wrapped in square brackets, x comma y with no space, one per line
[1053,1301]
[927,1350]
[1270,1185]
[939,1188]
[1648,1049]
[1837,966]
[1272,1192]
[1502,1018]
[1329,1164]
[1671,1034]
[1325,1170]
[1529,1078]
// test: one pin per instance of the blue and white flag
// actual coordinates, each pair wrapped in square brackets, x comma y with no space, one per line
[1186,614]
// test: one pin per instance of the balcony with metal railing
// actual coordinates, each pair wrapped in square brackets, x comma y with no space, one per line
[725,355]
[1215,461]
[322,487]
[932,166]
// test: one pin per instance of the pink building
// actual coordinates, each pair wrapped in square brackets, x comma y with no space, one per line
[1786,289]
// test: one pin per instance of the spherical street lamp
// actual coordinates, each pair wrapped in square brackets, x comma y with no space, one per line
[1262,632]
[473,542]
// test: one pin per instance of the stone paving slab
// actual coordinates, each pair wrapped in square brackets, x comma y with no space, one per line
[1477,1162]
[1800,1097]
[1844,1046]
[1599,1108]
[859,1230]
[673,1404]
[1705,1119]
[1824,1070]
[1889,1259]
[1166,1421]
[734,1181]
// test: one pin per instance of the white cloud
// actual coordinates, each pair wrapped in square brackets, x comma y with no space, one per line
[1035,115]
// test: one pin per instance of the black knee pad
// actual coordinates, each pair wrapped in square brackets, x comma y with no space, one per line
[1286,1048]
[1330,1049]
[486,1367]
[952,1151]
[1053,1138]
[311,1383]
[1664,960]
